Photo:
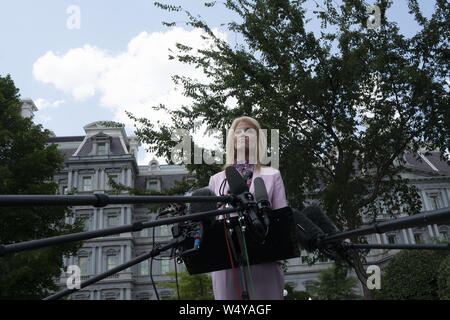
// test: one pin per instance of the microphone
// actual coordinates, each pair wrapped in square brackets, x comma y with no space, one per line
[239,188]
[178,207]
[262,200]
[307,232]
[323,222]
[318,217]
[196,207]
[248,174]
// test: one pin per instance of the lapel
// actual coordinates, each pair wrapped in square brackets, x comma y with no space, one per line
[256,173]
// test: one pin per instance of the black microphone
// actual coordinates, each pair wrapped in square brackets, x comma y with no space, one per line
[318,217]
[322,221]
[248,174]
[174,209]
[307,232]
[239,188]
[196,207]
[262,200]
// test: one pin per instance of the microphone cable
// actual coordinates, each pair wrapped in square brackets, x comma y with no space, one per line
[236,282]
[151,265]
[248,262]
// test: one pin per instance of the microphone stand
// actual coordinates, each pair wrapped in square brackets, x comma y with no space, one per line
[417,220]
[98,200]
[350,245]
[137,226]
[155,251]
[240,231]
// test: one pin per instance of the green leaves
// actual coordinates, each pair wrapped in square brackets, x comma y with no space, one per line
[27,166]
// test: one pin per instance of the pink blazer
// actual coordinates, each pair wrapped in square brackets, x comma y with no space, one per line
[272,180]
[268,278]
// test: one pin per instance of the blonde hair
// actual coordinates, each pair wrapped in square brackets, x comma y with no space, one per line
[261,145]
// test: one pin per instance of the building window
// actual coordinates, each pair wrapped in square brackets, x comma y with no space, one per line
[113,177]
[443,236]
[143,268]
[87,221]
[153,185]
[165,266]
[392,239]
[143,296]
[101,149]
[144,233]
[65,190]
[87,183]
[435,200]
[112,220]
[83,263]
[164,230]
[418,238]
[111,261]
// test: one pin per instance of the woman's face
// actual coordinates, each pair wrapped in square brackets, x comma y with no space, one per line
[245,135]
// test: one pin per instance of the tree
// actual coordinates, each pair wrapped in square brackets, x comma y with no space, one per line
[191,287]
[348,103]
[27,166]
[334,284]
[444,279]
[413,274]
[295,295]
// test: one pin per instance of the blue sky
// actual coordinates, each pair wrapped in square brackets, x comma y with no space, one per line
[116,60]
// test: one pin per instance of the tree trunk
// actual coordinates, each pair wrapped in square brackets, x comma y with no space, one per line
[361,273]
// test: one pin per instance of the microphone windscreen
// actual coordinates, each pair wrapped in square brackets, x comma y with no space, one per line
[307,231]
[317,216]
[235,181]
[197,207]
[260,190]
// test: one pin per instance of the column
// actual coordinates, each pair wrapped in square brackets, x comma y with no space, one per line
[69,181]
[76,181]
[384,238]
[93,258]
[128,294]
[436,229]
[430,231]
[92,295]
[122,176]
[99,260]
[100,218]
[96,184]
[405,236]
[122,254]
[94,218]
[102,179]
[411,235]
[128,178]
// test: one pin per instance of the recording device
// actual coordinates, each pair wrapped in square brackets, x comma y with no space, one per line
[193,231]
[320,219]
[307,232]
[262,201]
[239,189]
[175,208]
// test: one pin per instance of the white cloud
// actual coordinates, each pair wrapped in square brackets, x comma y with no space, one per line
[133,80]
[43,104]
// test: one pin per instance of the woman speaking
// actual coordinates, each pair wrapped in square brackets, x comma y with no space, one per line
[245,147]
